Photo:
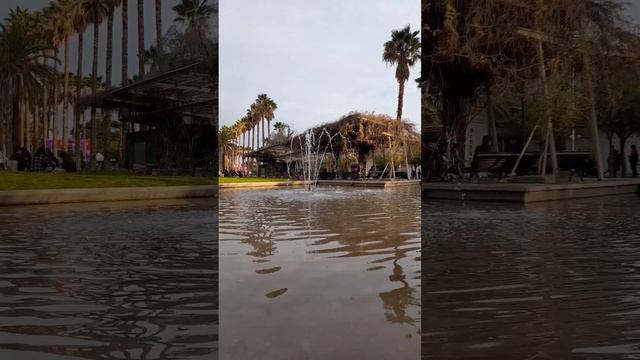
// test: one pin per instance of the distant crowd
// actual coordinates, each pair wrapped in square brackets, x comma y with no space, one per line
[43,160]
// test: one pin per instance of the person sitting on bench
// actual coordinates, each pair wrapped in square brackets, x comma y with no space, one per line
[485,147]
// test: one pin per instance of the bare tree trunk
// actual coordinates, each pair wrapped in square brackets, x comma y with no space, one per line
[593,116]
[547,112]
[492,118]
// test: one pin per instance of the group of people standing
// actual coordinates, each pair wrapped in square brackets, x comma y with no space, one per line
[615,160]
[43,160]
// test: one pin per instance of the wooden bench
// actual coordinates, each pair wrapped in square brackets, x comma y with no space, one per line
[501,164]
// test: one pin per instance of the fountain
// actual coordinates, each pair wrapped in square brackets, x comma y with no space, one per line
[312,154]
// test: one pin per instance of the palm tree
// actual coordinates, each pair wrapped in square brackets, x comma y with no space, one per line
[125,41]
[159,45]
[80,22]
[403,51]
[141,38]
[111,6]
[22,75]
[252,130]
[96,10]
[65,12]
[268,107]
[257,117]
[194,14]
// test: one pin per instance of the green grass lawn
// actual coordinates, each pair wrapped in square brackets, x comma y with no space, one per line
[231,180]
[29,181]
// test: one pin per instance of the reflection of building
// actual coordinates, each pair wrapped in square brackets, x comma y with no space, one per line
[170,118]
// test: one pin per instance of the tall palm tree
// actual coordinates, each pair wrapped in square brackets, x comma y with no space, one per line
[125,41]
[45,31]
[125,67]
[111,7]
[80,22]
[252,127]
[22,75]
[96,11]
[49,36]
[65,12]
[403,51]
[267,109]
[159,44]
[141,38]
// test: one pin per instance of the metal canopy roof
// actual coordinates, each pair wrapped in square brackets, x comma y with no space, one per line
[189,91]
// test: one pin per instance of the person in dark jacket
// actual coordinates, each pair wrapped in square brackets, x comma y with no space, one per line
[52,161]
[40,161]
[67,162]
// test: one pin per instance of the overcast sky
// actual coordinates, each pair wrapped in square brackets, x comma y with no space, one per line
[318,60]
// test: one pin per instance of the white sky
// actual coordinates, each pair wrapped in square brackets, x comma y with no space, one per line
[318,60]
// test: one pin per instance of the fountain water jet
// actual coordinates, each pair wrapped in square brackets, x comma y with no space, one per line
[312,154]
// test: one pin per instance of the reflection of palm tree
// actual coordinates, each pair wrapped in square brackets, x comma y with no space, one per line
[397,300]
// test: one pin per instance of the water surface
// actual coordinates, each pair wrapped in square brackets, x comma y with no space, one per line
[551,281]
[133,280]
[332,274]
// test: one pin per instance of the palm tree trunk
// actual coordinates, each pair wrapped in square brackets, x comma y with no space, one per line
[262,131]
[109,67]
[269,128]
[54,118]
[45,107]
[401,128]
[94,85]
[65,96]
[125,41]
[16,136]
[141,39]
[76,117]
[125,72]
[159,44]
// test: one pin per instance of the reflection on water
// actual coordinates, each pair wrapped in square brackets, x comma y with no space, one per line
[332,274]
[109,281]
[552,281]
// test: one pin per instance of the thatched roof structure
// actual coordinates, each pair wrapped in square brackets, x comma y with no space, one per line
[364,132]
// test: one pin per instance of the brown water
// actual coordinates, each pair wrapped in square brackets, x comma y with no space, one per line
[109,281]
[332,274]
[553,281]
